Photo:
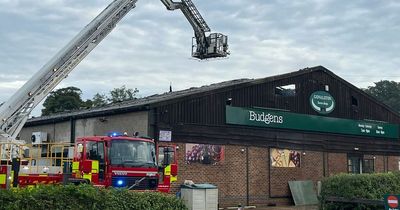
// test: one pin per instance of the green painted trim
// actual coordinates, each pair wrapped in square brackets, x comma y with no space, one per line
[279,119]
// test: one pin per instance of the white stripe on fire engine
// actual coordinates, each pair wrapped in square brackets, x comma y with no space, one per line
[137,172]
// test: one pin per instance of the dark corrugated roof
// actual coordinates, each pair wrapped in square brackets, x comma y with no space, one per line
[140,102]
[144,103]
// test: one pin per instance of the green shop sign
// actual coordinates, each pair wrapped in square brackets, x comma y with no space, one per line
[322,102]
[280,119]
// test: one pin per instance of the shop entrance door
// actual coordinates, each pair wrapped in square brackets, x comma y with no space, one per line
[354,164]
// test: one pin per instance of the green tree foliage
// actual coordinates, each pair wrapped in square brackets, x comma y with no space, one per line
[122,94]
[69,98]
[64,99]
[99,100]
[387,92]
[115,96]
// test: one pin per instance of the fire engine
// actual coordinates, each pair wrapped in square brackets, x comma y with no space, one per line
[116,160]
[113,160]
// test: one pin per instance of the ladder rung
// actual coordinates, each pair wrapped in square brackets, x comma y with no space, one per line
[196,14]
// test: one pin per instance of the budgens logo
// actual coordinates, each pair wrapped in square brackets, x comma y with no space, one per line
[267,118]
[322,102]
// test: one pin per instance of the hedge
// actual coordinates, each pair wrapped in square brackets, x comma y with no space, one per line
[360,186]
[85,197]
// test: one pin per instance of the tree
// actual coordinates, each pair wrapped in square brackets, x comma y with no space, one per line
[387,92]
[122,94]
[64,99]
[99,100]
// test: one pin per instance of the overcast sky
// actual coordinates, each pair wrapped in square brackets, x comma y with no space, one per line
[150,48]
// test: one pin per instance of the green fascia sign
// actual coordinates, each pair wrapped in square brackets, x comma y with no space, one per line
[322,102]
[261,117]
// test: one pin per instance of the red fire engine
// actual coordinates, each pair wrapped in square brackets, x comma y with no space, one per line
[107,161]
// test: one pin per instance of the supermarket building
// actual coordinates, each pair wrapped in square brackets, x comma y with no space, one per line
[249,137]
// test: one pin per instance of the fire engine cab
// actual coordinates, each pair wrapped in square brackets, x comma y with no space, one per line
[122,161]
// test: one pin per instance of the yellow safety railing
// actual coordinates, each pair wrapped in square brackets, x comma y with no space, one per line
[47,158]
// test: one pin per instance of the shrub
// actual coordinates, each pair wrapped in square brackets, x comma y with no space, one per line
[85,197]
[358,186]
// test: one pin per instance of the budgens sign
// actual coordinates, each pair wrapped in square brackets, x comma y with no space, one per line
[322,102]
[265,117]
[262,117]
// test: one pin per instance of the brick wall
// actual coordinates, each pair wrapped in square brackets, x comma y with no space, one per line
[229,176]
[258,175]
[379,162]
[393,163]
[266,184]
[337,163]
[311,169]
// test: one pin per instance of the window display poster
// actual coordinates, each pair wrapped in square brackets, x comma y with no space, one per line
[204,153]
[285,158]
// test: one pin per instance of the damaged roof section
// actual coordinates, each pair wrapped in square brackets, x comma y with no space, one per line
[146,103]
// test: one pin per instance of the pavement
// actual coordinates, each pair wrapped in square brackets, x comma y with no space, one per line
[313,207]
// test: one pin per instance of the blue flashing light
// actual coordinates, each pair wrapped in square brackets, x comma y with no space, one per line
[114,134]
[120,183]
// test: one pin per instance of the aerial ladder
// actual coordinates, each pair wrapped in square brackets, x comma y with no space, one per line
[203,47]
[15,112]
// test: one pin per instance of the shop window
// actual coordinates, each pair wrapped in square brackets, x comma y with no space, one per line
[368,166]
[286,90]
[354,164]
[357,165]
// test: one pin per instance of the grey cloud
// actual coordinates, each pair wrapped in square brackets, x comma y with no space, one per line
[151,47]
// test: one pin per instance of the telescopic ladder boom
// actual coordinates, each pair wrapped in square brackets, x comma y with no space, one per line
[204,47]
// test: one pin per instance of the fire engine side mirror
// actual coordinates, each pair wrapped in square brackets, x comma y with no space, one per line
[80,147]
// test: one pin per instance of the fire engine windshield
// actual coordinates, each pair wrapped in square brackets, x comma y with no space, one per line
[132,153]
